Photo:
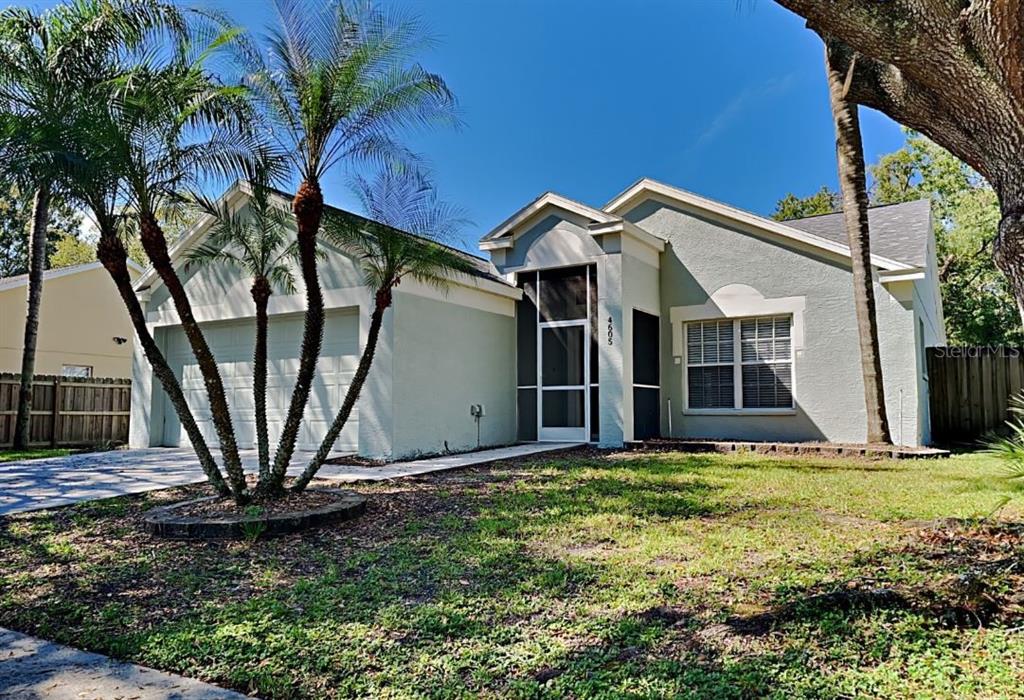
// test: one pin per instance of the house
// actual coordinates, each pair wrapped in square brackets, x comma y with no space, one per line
[660,313]
[84,330]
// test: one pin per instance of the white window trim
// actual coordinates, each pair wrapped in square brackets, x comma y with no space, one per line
[737,365]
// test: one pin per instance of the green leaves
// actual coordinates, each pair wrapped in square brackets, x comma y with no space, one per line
[405,233]
[979,305]
[257,240]
[338,85]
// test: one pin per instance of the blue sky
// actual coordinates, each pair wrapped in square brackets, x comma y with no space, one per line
[726,98]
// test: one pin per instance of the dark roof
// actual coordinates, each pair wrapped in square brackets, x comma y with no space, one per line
[481,266]
[898,231]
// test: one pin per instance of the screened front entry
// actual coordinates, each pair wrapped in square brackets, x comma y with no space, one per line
[557,355]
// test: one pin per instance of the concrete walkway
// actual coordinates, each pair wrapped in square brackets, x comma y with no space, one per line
[32,668]
[57,481]
[416,467]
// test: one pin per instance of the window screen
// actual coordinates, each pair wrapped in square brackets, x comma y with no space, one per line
[709,359]
[767,362]
[764,363]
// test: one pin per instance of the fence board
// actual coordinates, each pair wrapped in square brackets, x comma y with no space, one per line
[68,411]
[970,390]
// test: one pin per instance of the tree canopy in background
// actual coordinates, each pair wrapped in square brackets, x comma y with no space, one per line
[824,201]
[15,216]
[977,298]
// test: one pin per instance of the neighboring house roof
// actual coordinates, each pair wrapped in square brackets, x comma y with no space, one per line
[898,231]
[647,188]
[22,280]
[482,268]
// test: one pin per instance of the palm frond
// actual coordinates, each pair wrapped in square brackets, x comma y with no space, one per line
[405,232]
[338,81]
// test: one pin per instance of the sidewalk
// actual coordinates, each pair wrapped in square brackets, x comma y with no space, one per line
[32,668]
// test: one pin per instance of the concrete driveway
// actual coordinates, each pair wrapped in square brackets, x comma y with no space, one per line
[57,481]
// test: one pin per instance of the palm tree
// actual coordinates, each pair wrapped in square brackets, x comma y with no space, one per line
[260,244]
[96,183]
[179,126]
[44,59]
[337,85]
[853,187]
[402,238]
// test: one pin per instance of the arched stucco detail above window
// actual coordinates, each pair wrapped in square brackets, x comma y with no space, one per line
[738,301]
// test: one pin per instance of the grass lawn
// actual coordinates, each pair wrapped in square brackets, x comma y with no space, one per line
[586,575]
[41,453]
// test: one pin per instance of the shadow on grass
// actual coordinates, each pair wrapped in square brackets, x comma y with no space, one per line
[436,591]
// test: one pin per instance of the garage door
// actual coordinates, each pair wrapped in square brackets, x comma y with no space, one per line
[232,345]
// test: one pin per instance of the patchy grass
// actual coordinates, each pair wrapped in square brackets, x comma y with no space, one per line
[42,453]
[586,575]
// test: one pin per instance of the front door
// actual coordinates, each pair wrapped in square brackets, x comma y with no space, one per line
[564,381]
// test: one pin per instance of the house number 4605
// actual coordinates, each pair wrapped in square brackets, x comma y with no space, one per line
[611,330]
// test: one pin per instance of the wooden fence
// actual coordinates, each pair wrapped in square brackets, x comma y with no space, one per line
[68,411]
[970,390]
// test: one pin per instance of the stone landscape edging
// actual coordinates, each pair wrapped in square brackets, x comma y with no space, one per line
[165,521]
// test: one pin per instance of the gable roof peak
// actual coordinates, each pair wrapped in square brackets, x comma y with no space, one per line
[548,199]
[646,188]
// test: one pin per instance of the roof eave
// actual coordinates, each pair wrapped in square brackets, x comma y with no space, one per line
[646,187]
[548,199]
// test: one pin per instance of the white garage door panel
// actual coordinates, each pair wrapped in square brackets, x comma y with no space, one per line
[232,345]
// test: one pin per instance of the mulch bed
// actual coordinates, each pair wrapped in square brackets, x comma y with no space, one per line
[288,503]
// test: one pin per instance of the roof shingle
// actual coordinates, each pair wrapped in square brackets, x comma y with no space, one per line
[898,231]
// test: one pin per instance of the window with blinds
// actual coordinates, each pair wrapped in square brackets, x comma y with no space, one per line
[709,360]
[763,367]
[767,361]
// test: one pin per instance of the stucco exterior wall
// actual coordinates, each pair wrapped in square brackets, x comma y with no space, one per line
[437,353]
[446,357]
[552,240]
[220,293]
[704,256]
[81,314]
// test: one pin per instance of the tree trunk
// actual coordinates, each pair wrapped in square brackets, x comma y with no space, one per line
[155,245]
[308,207]
[36,267]
[383,301]
[261,296]
[853,186]
[114,258]
[1009,251]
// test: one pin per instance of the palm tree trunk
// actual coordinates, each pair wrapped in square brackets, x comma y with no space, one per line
[261,296]
[308,207]
[114,258]
[155,245]
[383,301]
[36,267]
[853,186]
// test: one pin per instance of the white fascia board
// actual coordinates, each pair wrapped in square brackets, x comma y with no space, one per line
[22,280]
[631,230]
[486,285]
[501,244]
[194,235]
[901,275]
[548,199]
[646,188]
